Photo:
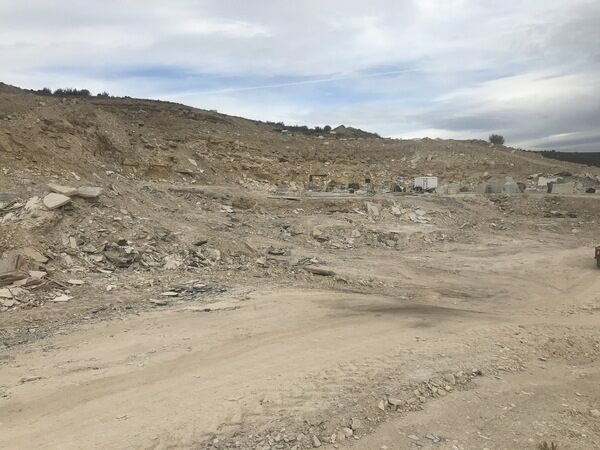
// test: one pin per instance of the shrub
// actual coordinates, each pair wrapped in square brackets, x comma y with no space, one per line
[71,92]
[103,94]
[45,91]
[496,139]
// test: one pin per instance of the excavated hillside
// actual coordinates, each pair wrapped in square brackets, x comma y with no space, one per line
[170,279]
[180,190]
[151,140]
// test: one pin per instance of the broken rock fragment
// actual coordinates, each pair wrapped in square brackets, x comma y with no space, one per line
[89,192]
[6,199]
[63,190]
[54,200]
[61,299]
[33,254]
[262,261]
[372,209]
[7,303]
[318,235]
[121,255]
[6,293]
[319,271]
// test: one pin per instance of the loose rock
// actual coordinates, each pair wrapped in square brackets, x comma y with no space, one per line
[89,192]
[53,200]
[315,441]
[63,190]
[61,299]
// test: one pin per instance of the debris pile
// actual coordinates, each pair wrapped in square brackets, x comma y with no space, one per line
[21,272]
[188,291]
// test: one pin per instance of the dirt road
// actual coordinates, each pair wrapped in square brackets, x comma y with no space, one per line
[491,347]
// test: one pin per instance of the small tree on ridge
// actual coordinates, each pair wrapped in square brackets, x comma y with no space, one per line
[496,139]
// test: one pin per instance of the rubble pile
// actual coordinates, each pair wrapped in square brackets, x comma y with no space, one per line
[144,188]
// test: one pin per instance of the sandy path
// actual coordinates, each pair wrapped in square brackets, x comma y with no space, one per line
[180,374]
[170,378]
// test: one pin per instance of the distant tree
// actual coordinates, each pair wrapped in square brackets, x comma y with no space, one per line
[103,94]
[326,128]
[45,91]
[496,139]
[71,92]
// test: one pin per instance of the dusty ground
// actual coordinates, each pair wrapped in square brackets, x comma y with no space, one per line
[286,364]
[194,318]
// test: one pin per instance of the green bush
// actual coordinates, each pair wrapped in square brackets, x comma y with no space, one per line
[496,139]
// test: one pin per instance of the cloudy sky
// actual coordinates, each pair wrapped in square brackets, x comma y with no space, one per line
[529,70]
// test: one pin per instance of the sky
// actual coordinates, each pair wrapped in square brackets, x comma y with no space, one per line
[463,69]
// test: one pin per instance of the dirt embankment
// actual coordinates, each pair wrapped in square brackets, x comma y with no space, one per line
[166,281]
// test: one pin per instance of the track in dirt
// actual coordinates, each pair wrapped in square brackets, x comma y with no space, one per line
[306,361]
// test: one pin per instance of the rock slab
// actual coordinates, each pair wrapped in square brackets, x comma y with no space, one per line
[54,200]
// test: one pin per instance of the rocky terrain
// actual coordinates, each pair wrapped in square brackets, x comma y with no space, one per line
[170,278]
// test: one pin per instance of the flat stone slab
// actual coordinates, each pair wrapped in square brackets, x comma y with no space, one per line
[88,192]
[7,197]
[54,200]
[64,190]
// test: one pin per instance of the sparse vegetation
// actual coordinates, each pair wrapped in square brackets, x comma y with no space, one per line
[545,446]
[496,139]
[72,92]
[303,129]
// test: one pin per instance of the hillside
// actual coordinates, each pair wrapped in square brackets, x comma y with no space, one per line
[154,140]
[169,278]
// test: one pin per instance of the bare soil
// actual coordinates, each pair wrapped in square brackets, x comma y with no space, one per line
[245,312]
